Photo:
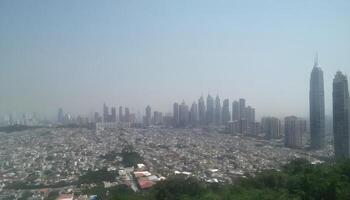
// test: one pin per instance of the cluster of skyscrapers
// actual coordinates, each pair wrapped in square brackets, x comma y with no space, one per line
[341,120]
[211,113]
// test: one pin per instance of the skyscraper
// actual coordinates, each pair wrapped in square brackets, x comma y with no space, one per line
[294,129]
[271,127]
[121,117]
[194,114]
[148,117]
[105,113]
[235,111]
[242,114]
[183,114]
[317,108]
[210,110]
[226,117]
[113,117]
[60,116]
[127,115]
[201,111]
[217,114]
[176,114]
[341,116]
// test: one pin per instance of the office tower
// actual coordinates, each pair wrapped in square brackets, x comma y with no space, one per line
[158,118]
[105,113]
[121,117]
[194,114]
[97,118]
[127,115]
[60,117]
[210,110]
[271,126]
[148,117]
[183,114]
[242,114]
[235,111]
[226,117]
[113,117]
[294,129]
[201,111]
[250,114]
[217,112]
[176,114]
[341,116]
[317,112]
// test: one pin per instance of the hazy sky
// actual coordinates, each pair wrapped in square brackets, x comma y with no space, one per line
[79,54]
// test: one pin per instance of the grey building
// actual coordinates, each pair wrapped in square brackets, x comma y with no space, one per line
[217,114]
[341,116]
[194,114]
[271,126]
[226,117]
[317,108]
[235,111]
[183,114]
[176,114]
[242,110]
[148,117]
[201,111]
[294,128]
[210,110]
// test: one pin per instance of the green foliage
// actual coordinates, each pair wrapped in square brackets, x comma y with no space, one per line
[97,176]
[130,156]
[298,180]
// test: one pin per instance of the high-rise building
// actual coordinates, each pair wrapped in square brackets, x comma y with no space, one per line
[235,111]
[294,129]
[242,110]
[158,117]
[105,113]
[127,114]
[217,114]
[194,114]
[271,126]
[201,111]
[226,117]
[148,117]
[60,116]
[317,108]
[341,116]
[121,117]
[210,110]
[176,114]
[113,117]
[183,114]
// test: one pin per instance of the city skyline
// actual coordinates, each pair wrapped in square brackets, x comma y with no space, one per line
[105,55]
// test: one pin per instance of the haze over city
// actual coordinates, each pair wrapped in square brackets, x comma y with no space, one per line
[80,54]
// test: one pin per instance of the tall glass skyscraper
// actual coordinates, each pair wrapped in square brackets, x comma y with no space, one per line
[317,108]
[341,116]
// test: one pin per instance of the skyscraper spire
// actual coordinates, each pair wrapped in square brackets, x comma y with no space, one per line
[316,60]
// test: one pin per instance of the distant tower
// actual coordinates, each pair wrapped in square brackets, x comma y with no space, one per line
[105,113]
[60,116]
[121,117]
[183,114]
[242,114]
[176,114]
[194,114]
[271,127]
[127,115]
[235,111]
[226,117]
[294,129]
[113,117]
[317,107]
[210,110]
[217,114]
[148,118]
[341,116]
[201,111]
